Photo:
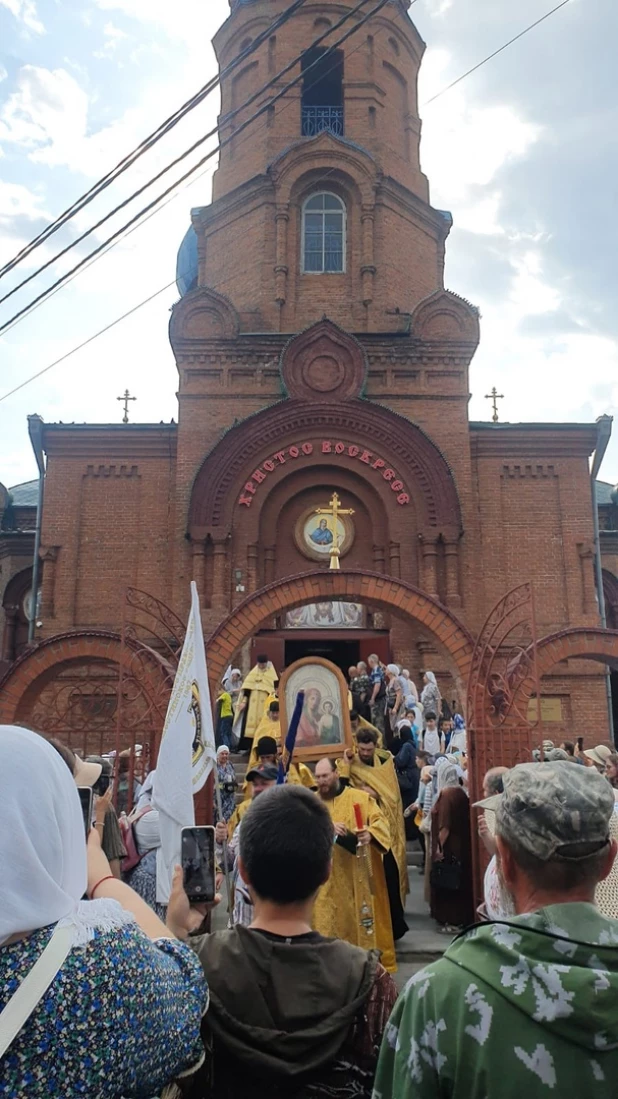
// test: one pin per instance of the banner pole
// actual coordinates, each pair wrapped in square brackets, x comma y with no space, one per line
[226,870]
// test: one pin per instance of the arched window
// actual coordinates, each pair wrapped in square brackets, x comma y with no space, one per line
[323,234]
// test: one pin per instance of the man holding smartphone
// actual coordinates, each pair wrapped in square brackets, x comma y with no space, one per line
[291,1012]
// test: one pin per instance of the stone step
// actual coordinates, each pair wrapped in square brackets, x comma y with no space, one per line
[423,943]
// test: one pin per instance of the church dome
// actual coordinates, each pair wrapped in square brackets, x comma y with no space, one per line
[186,263]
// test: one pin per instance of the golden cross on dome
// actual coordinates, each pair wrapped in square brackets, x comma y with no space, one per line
[333,511]
[126,398]
[494,397]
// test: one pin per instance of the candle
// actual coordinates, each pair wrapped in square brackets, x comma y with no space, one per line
[358,813]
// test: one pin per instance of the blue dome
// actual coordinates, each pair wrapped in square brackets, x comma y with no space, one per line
[186,263]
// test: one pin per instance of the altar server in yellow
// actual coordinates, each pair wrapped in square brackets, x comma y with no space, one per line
[268,750]
[368,765]
[353,904]
[257,687]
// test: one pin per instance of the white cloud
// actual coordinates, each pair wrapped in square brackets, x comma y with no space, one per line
[18,201]
[465,145]
[193,21]
[45,113]
[25,12]
[113,37]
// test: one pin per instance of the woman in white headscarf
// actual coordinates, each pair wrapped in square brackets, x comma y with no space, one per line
[430,695]
[451,851]
[226,777]
[122,967]
[144,821]
[232,683]
[395,699]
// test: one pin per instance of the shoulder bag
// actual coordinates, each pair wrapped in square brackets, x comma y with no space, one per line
[446,875]
[34,986]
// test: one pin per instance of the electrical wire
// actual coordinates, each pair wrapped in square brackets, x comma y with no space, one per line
[90,339]
[120,206]
[443,91]
[155,202]
[495,53]
[151,297]
[162,205]
[148,142]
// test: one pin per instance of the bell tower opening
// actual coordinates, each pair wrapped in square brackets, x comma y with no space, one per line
[322,92]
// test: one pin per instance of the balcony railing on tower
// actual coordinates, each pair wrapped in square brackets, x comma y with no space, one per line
[317,120]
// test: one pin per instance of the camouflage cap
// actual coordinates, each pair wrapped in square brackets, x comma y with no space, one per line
[554,810]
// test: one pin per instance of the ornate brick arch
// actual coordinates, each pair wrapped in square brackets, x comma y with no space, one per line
[351,586]
[146,676]
[581,643]
[324,154]
[218,482]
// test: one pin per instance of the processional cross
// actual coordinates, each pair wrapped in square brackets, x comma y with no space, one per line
[126,398]
[333,511]
[494,397]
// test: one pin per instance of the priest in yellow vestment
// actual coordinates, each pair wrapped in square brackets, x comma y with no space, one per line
[256,689]
[368,765]
[353,904]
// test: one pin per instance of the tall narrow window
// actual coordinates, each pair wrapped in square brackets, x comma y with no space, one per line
[323,234]
[322,91]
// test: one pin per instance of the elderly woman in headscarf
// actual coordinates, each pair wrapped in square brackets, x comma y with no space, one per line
[430,695]
[144,821]
[451,852]
[112,963]
[226,777]
[395,700]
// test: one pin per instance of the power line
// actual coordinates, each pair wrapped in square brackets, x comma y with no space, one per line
[177,160]
[146,301]
[156,201]
[162,129]
[90,339]
[491,56]
[109,246]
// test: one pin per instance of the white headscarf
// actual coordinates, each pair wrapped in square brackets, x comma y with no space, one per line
[42,844]
[145,794]
[232,680]
[432,678]
[447,775]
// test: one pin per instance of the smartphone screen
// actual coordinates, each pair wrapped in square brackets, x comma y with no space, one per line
[198,863]
[85,796]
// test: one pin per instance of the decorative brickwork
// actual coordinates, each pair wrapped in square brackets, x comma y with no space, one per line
[352,587]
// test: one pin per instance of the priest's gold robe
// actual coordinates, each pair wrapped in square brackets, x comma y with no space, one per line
[337,912]
[267,727]
[257,687]
[382,778]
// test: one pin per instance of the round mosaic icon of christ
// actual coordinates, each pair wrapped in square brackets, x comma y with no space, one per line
[314,535]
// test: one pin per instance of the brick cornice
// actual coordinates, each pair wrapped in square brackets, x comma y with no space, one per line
[110,440]
[532,440]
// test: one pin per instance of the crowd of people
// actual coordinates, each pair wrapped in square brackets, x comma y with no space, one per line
[296,999]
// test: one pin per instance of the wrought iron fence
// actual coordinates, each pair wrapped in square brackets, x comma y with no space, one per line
[317,120]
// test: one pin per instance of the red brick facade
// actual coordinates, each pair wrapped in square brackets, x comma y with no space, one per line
[293,385]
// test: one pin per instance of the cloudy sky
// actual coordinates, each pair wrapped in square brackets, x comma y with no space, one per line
[523,153]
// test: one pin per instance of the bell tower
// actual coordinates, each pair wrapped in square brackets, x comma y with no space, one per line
[319,204]
[356,78]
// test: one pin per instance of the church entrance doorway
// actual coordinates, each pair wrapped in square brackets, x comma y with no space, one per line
[341,647]
[343,653]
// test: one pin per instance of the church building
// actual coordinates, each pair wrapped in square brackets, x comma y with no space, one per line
[322,364]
